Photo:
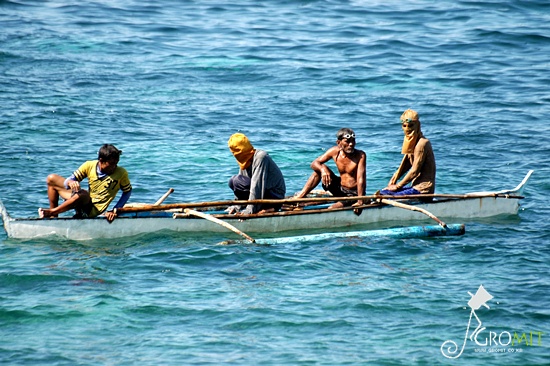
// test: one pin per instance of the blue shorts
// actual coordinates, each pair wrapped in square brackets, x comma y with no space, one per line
[403,191]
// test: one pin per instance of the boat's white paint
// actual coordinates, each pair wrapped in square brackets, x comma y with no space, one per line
[99,228]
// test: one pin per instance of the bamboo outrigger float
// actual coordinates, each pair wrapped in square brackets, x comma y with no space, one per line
[172,217]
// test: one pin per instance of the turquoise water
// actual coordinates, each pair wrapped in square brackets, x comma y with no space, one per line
[168,82]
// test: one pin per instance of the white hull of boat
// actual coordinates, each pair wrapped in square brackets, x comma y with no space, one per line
[98,228]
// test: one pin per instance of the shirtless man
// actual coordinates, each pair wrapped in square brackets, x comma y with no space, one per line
[351,164]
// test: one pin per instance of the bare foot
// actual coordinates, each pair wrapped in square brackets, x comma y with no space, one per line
[337,205]
[44,213]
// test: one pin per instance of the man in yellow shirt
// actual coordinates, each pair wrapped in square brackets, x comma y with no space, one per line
[105,179]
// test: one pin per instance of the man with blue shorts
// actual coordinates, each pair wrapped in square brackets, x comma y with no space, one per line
[416,173]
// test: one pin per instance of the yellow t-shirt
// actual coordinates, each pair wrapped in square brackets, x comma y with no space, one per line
[102,191]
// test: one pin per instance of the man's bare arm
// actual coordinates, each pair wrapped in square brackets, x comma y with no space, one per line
[319,164]
[362,175]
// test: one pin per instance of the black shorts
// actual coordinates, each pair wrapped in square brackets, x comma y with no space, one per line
[84,211]
[336,189]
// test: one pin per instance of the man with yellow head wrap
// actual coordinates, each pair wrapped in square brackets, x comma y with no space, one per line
[416,173]
[259,177]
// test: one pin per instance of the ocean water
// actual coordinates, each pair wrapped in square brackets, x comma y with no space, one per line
[169,81]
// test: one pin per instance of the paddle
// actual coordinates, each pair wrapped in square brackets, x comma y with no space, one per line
[218,221]
[144,208]
[164,196]
[133,205]
[413,208]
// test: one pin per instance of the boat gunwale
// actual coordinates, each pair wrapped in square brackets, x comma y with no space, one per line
[515,193]
[339,214]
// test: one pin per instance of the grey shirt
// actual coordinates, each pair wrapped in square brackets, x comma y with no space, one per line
[266,177]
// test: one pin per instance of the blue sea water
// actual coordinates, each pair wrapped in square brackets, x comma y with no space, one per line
[169,81]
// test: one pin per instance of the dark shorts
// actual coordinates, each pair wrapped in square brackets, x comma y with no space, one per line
[240,185]
[85,211]
[336,189]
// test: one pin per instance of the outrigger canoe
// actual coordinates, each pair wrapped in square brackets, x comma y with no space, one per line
[177,217]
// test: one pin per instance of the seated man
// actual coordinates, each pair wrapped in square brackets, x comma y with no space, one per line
[351,164]
[418,164]
[259,177]
[105,178]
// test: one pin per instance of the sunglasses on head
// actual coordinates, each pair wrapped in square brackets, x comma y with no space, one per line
[347,136]
[408,120]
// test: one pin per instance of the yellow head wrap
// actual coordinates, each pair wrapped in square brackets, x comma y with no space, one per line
[242,149]
[410,140]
